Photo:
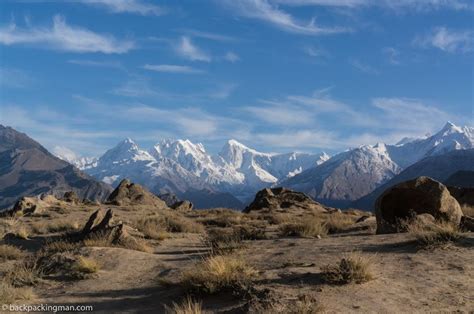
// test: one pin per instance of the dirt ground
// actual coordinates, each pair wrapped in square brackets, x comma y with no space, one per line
[406,278]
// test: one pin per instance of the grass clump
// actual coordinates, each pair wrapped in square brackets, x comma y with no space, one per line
[187,306]
[435,234]
[311,227]
[157,226]
[9,294]
[85,265]
[131,243]
[351,269]
[338,222]
[152,229]
[26,273]
[55,226]
[10,252]
[219,273]
[60,246]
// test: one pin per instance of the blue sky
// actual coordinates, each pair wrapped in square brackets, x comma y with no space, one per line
[277,75]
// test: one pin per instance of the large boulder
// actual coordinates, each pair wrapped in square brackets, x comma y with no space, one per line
[182,206]
[128,193]
[281,199]
[406,200]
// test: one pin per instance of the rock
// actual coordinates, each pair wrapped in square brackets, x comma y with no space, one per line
[169,198]
[406,200]
[467,223]
[71,197]
[182,206]
[100,224]
[283,199]
[128,193]
[27,205]
[465,198]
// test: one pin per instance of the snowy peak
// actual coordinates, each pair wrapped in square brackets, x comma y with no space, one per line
[126,150]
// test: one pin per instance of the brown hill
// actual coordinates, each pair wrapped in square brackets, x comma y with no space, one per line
[128,193]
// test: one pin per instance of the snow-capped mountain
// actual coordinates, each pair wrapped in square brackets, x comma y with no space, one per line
[351,175]
[181,166]
[68,155]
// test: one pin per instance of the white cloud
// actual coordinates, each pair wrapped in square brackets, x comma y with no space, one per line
[223,91]
[190,51]
[171,68]
[392,55]
[231,57]
[448,40]
[63,37]
[265,11]
[128,6]
[100,64]
[363,67]
[208,35]
[419,5]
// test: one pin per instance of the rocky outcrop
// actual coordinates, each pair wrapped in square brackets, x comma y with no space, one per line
[32,205]
[406,200]
[281,199]
[71,197]
[100,225]
[182,206]
[128,193]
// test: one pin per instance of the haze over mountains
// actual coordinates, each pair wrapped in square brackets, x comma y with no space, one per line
[237,171]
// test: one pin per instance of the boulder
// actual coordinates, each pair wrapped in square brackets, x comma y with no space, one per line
[282,199]
[404,201]
[182,206]
[128,193]
[100,224]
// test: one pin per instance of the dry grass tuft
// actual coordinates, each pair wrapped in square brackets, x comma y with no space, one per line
[219,272]
[157,226]
[354,268]
[24,274]
[85,265]
[338,222]
[9,294]
[131,243]
[9,252]
[434,235]
[60,246]
[187,306]
[310,227]
[42,227]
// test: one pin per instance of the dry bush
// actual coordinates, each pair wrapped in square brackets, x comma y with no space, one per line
[303,305]
[354,268]
[187,306]
[338,222]
[85,265]
[221,218]
[167,223]
[308,227]
[222,240]
[218,273]
[131,243]
[467,210]
[9,294]
[152,228]
[26,273]
[60,246]
[43,227]
[434,235]
[21,233]
[9,252]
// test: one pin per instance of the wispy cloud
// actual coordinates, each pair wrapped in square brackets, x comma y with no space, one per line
[359,65]
[99,64]
[63,37]
[231,57]
[392,55]
[171,68]
[419,5]
[128,6]
[187,49]
[448,40]
[266,11]
[208,35]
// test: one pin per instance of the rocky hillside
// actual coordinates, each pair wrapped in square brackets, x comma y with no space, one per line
[28,169]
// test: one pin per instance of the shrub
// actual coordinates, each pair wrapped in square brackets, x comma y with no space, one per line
[9,294]
[219,272]
[338,222]
[187,306]
[351,269]
[85,265]
[152,229]
[55,226]
[131,243]
[23,274]
[21,233]
[60,246]
[309,227]
[434,235]
[10,252]
[167,223]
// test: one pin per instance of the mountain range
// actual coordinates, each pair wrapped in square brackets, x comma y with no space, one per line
[184,168]
[27,168]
